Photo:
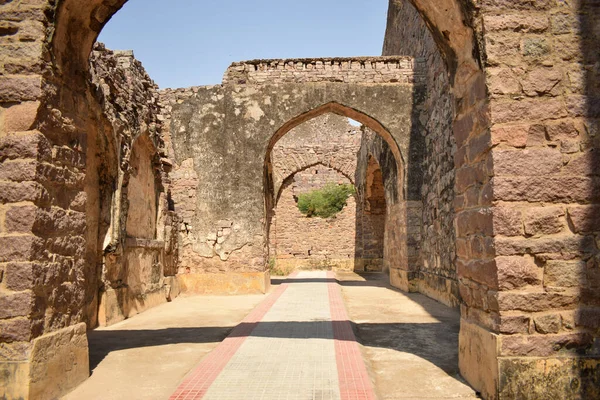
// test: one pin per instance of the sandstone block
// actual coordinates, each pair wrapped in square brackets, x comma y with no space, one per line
[18,304]
[536,301]
[19,276]
[480,271]
[544,220]
[508,221]
[512,135]
[542,82]
[586,164]
[544,345]
[563,189]
[20,218]
[18,171]
[13,192]
[27,145]
[564,273]
[476,221]
[575,244]
[549,323]
[517,272]
[18,248]
[20,117]
[584,219]
[15,330]
[17,88]
[512,324]
[527,162]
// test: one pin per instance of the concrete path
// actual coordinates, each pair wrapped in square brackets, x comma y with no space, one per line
[410,341]
[298,344]
[147,356]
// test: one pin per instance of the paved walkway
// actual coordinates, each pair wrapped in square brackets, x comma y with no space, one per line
[298,344]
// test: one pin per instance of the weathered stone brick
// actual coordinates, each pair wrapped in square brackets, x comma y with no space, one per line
[480,271]
[548,323]
[506,246]
[15,330]
[587,163]
[517,272]
[564,273]
[544,345]
[18,88]
[544,220]
[527,161]
[542,82]
[19,276]
[511,135]
[17,248]
[28,145]
[516,22]
[551,189]
[20,218]
[536,109]
[584,219]
[13,192]
[20,117]
[536,301]
[476,221]
[508,221]
[16,304]
[18,171]
[512,324]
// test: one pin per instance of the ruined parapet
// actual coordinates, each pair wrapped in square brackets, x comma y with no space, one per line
[346,70]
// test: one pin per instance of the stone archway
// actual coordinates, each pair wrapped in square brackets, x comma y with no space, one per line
[47,106]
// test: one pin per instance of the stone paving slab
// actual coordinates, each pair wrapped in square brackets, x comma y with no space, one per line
[298,344]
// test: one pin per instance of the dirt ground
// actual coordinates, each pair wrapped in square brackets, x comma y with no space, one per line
[410,342]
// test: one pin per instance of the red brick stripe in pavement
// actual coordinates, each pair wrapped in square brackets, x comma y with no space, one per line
[354,379]
[196,384]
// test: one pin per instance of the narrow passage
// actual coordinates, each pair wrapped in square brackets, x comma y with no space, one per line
[297,344]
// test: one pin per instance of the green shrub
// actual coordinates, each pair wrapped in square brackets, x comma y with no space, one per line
[325,202]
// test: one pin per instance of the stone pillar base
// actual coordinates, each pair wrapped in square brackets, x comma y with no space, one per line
[117,305]
[58,363]
[478,358]
[403,280]
[225,283]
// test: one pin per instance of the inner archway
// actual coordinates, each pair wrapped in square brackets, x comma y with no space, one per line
[359,244]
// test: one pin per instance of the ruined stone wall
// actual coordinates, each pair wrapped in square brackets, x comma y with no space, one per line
[135,217]
[350,70]
[300,242]
[220,138]
[408,34]
[544,82]
[320,151]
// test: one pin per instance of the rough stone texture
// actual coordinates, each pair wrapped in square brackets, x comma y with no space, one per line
[315,153]
[136,217]
[349,70]
[222,189]
[434,271]
[524,79]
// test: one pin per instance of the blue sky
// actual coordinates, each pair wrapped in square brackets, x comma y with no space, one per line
[192,42]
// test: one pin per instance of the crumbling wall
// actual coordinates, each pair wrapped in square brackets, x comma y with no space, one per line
[435,271]
[396,69]
[136,225]
[221,136]
[320,151]
[300,242]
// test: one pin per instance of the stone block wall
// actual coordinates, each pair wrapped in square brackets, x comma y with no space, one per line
[320,151]
[436,270]
[396,69]
[300,242]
